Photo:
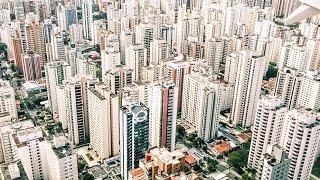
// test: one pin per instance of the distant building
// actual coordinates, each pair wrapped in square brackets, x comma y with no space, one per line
[56,72]
[87,18]
[76,101]
[31,65]
[200,102]
[288,86]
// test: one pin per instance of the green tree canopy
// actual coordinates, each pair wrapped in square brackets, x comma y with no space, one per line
[239,159]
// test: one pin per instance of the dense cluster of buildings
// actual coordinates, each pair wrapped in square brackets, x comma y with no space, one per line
[121,75]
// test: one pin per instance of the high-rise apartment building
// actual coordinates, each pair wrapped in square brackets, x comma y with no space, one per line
[144,35]
[247,90]
[283,8]
[17,51]
[200,103]
[97,27]
[136,58]
[61,159]
[56,72]
[35,40]
[300,138]
[159,50]
[87,18]
[104,126]
[215,53]
[275,163]
[31,147]
[118,78]
[162,103]
[76,98]
[134,136]
[267,129]
[309,94]
[178,69]
[58,49]
[288,86]
[7,99]
[31,65]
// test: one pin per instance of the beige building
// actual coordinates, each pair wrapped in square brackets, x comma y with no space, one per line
[104,126]
[61,159]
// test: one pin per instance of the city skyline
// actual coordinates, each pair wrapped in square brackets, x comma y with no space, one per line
[160,89]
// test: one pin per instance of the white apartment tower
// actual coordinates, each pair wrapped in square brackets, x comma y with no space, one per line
[136,58]
[178,69]
[57,46]
[104,122]
[159,50]
[118,78]
[200,103]
[110,58]
[300,138]
[144,35]
[76,99]
[97,27]
[87,18]
[31,147]
[309,94]
[288,86]
[7,99]
[162,103]
[247,90]
[56,72]
[215,53]
[266,129]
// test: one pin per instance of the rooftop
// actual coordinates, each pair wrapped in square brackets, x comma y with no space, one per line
[63,151]
[223,147]
[137,172]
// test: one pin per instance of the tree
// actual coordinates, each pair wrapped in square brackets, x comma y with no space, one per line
[81,166]
[192,136]
[212,164]
[181,133]
[4,50]
[99,73]
[239,159]
[197,142]
[97,48]
[13,68]
[88,176]
[95,8]
[272,71]
[316,168]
